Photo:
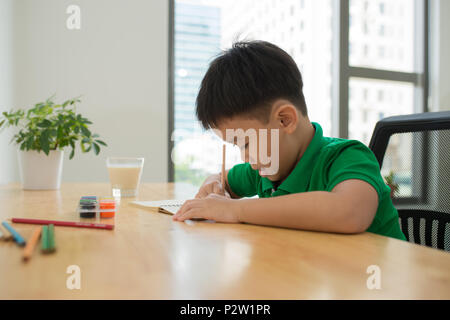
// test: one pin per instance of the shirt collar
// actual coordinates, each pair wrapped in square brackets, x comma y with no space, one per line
[298,179]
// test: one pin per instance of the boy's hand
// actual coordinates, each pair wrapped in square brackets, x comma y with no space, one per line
[211,186]
[213,207]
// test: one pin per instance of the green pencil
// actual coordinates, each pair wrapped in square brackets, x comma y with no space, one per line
[51,238]
[44,239]
[48,238]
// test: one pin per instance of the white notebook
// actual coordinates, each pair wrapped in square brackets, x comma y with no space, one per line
[167,207]
[163,206]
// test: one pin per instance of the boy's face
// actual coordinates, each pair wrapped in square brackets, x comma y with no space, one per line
[271,148]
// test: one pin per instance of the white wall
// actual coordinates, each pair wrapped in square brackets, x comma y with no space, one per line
[440,55]
[8,163]
[117,61]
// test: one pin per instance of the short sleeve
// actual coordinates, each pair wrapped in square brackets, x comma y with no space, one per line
[243,180]
[355,161]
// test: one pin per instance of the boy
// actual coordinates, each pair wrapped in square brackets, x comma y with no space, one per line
[322,184]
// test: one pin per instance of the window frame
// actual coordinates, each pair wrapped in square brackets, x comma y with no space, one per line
[342,70]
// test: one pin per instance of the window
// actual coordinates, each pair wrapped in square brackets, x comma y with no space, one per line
[381,69]
[386,74]
[381,6]
[391,35]
[366,51]
[381,31]
[380,52]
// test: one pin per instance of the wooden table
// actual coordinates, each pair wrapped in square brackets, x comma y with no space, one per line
[148,256]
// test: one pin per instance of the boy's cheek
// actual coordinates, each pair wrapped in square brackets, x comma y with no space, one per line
[245,157]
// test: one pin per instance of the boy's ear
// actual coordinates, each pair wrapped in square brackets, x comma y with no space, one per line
[287,117]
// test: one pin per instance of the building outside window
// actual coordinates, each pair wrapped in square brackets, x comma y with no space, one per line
[203,28]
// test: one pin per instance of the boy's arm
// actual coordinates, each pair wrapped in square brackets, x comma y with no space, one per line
[349,208]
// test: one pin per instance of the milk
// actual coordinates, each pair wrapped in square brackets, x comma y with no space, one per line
[124,179]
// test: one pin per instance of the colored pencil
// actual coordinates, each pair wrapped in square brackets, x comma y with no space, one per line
[222,177]
[48,239]
[44,241]
[65,223]
[28,251]
[51,238]
[6,235]
[16,236]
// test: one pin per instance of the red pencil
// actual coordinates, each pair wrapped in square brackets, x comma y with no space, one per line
[65,223]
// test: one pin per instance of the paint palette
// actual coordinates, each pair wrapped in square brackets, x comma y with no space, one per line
[92,207]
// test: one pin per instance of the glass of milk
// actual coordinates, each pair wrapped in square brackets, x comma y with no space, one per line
[124,175]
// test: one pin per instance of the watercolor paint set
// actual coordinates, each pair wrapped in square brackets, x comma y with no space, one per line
[93,206]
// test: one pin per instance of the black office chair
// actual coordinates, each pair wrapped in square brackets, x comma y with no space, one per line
[415,151]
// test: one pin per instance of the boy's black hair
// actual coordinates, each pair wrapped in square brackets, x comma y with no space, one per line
[245,80]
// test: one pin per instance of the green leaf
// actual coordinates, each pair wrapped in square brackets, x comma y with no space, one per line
[60,133]
[49,100]
[45,143]
[96,148]
[1,123]
[101,142]
[85,131]
[44,124]
[30,141]
[72,153]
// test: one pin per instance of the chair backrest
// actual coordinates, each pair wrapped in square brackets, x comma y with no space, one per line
[414,155]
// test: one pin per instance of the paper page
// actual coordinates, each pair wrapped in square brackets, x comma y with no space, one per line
[168,206]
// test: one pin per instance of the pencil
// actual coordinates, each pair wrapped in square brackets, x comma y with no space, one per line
[16,236]
[44,241]
[222,178]
[28,251]
[6,235]
[51,238]
[65,223]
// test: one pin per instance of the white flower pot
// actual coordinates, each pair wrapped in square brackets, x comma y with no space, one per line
[39,171]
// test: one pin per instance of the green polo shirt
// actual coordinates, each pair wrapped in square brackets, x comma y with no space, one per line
[325,163]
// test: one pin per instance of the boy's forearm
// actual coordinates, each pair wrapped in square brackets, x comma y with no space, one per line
[317,211]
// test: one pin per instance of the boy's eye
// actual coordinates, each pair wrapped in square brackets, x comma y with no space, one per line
[245,146]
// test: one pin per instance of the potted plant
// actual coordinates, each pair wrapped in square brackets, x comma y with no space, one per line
[44,131]
[392,184]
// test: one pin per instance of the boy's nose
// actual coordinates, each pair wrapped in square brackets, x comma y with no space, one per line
[247,158]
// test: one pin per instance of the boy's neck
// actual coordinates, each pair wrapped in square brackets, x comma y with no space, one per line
[305,134]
